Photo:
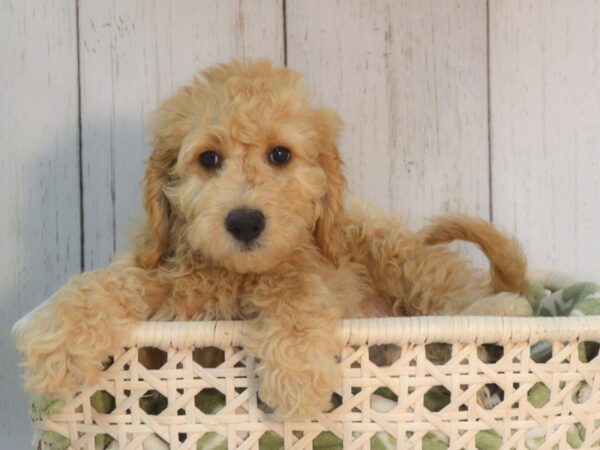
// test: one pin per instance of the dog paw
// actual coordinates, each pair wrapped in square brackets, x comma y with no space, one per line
[66,341]
[63,348]
[296,394]
[56,361]
[502,304]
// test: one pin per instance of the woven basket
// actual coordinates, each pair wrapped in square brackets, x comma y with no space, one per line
[462,372]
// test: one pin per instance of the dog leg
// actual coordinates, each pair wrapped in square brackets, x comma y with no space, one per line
[501,304]
[66,342]
[442,283]
[294,339]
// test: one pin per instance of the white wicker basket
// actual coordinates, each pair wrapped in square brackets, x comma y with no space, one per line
[355,421]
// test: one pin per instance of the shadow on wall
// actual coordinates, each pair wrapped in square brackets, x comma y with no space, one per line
[113,162]
[44,245]
[41,252]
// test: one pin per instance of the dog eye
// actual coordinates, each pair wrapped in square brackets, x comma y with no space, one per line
[210,159]
[279,156]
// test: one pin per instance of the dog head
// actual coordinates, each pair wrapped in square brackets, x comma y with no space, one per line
[243,170]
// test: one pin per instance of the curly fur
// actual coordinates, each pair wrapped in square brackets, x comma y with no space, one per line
[316,262]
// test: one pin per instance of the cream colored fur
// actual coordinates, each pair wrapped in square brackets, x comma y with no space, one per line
[316,262]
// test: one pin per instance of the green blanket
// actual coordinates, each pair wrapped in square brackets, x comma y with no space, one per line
[577,299]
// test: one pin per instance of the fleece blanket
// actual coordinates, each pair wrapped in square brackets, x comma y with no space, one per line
[576,299]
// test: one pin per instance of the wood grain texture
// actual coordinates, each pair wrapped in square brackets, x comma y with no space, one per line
[134,54]
[545,109]
[409,79]
[39,178]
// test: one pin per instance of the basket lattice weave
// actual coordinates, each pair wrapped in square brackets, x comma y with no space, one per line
[242,422]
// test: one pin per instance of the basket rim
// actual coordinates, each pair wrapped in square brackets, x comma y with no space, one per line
[389,330]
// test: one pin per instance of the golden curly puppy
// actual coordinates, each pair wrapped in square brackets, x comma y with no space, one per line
[246,220]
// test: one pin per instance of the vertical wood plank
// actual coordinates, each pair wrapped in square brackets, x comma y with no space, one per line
[134,54]
[410,80]
[545,91]
[39,178]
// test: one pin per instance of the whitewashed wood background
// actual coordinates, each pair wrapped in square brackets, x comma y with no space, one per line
[486,107]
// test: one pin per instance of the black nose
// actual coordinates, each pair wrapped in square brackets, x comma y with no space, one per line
[245,224]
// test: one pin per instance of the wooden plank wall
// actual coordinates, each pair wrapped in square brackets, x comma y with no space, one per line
[410,80]
[40,237]
[486,107]
[545,129]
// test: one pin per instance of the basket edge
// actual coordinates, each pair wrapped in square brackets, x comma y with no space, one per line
[392,330]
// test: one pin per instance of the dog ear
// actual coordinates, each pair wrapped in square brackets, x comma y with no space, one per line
[168,127]
[328,125]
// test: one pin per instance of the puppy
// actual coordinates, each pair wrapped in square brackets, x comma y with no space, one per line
[244,195]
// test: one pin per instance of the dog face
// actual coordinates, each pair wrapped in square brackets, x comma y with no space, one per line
[243,170]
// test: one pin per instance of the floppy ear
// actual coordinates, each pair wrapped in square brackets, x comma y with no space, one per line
[328,125]
[168,126]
